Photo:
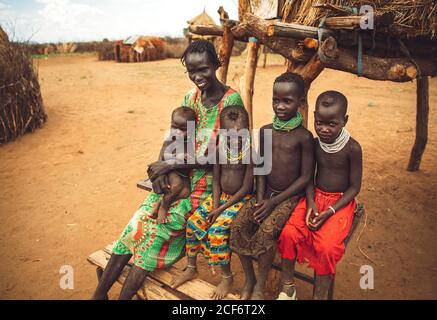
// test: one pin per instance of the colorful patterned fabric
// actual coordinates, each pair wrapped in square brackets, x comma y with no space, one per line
[250,238]
[213,243]
[323,248]
[153,245]
[207,126]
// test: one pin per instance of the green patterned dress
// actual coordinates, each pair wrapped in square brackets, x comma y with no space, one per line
[156,246]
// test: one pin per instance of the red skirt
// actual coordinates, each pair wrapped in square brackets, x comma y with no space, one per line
[323,248]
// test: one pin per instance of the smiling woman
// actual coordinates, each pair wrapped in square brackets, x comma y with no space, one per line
[155,245]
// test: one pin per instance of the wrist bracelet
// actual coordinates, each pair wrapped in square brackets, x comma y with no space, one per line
[332,209]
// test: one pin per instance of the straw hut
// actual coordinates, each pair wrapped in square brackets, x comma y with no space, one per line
[202,19]
[139,48]
[379,40]
[21,105]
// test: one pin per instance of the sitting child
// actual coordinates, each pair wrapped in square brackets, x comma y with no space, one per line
[178,180]
[258,225]
[208,229]
[320,223]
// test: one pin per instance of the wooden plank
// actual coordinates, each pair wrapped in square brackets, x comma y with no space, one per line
[196,289]
[145,184]
[151,290]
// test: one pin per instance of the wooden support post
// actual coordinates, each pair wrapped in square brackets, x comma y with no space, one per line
[249,76]
[265,51]
[227,43]
[422,112]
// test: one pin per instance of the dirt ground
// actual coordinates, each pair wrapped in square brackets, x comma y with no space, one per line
[69,188]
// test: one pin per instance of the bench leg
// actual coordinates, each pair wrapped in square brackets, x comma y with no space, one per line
[331,290]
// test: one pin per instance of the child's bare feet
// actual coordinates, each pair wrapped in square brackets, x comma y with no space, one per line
[188,274]
[224,287]
[155,208]
[162,216]
[258,293]
[246,293]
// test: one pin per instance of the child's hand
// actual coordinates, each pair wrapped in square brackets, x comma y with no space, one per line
[212,216]
[263,210]
[319,220]
[312,212]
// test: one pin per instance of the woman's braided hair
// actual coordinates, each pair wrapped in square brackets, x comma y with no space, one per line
[200,46]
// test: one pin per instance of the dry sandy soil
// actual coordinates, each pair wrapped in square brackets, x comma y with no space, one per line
[70,187]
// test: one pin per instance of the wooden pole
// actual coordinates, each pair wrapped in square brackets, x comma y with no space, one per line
[265,51]
[249,76]
[225,52]
[422,112]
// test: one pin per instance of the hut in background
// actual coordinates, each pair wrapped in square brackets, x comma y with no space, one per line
[21,105]
[202,19]
[139,48]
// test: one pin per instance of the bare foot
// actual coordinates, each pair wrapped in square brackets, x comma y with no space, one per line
[222,290]
[162,216]
[247,289]
[258,294]
[155,208]
[187,275]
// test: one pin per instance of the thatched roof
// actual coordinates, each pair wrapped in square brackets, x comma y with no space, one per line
[202,19]
[21,106]
[412,18]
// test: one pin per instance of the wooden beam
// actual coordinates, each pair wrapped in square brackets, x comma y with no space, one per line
[249,77]
[375,68]
[354,22]
[422,106]
[216,31]
[346,38]
[291,30]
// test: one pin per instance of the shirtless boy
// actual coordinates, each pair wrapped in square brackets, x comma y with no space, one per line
[320,223]
[259,224]
[178,180]
[208,229]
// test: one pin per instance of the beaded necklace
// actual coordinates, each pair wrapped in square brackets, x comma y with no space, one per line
[289,125]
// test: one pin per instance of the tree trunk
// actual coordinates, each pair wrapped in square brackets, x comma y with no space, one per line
[421,124]
[225,53]
[249,76]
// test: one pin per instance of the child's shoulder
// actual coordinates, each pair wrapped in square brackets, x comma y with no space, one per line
[354,146]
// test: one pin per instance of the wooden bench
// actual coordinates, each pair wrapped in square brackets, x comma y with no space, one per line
[157,285]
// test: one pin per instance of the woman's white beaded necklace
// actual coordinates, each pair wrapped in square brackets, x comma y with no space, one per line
[338,144]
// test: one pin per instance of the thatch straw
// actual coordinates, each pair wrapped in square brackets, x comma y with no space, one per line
[105,50]
[21,106]
[415,18]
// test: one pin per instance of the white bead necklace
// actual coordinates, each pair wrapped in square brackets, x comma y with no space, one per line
[338,144]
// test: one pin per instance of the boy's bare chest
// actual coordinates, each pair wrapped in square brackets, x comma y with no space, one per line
[331,161]
[284,142]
